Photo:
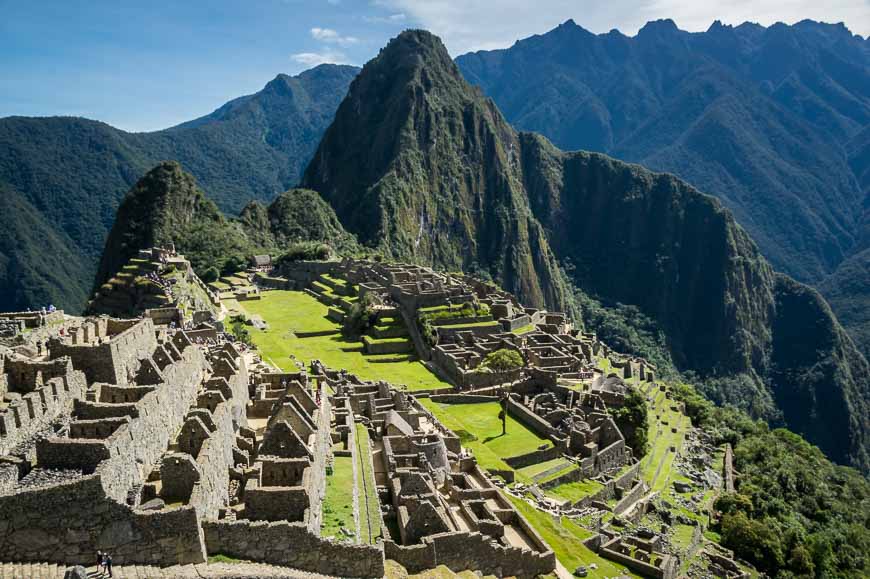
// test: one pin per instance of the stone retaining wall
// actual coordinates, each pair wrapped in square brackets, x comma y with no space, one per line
[531,420]
[629,498]
[537,456]
[292,545]
[68,523]
[471,551]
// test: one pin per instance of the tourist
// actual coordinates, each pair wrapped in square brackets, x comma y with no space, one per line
[108,563]
[100,562]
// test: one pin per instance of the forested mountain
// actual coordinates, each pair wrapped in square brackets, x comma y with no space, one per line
[774,121]
[167,206]
[69,175]
[420,165]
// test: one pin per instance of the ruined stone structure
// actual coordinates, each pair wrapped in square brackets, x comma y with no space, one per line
[446,511]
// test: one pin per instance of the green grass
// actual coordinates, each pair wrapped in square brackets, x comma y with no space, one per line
[334,280]
[338,502]
[566,538]
[682,536]
[659,452]
[289,311]
[523,330]
[574,491]
[482,433]
[369,505]
[218,558]
[537,468]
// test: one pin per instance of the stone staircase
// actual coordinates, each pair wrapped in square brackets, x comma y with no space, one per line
[216,570]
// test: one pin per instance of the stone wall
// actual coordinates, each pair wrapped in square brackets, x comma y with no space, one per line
[68,523]
[113,361]
[471,551]
[536,456]
[292,545]
[36,410]
[214,461]
[531,420]
[162,414]
[629,498]
[304,272]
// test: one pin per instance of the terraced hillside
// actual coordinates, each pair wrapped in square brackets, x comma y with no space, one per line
[548,488]
[300,328]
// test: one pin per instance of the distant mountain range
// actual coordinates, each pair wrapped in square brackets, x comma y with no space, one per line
[62,178]
[421,167]
[774,121]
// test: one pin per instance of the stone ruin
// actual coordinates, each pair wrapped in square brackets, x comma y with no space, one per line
[162,449]
[439,506]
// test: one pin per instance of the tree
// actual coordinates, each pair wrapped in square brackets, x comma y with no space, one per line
[633,421]
[362,315]
[503,360]
[757,541]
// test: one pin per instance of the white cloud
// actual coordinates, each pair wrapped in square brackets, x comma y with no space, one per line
[311,59]
[389,19]
[330,36]
[466,25]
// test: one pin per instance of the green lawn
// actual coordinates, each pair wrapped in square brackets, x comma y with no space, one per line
[338,502]
[479,428]
[574,491]
[659,452]
[566,538]
[536,469]
[369,505]
[289,311]
[524,330]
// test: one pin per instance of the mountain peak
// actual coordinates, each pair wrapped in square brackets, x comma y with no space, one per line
[658,27]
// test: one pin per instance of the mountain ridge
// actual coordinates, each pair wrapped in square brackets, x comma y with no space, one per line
[641,99]
[419,164]
[75,172]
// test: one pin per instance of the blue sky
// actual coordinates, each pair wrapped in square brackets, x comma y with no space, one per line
[151,64]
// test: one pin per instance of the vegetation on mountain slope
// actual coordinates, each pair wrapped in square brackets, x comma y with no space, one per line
[166,207]
[420,165]
[848,292]
[793,512]
[422,168]
[771,120]
[757,116]
[35,259]
[74,172]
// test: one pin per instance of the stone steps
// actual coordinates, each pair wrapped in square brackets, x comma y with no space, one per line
[216,570]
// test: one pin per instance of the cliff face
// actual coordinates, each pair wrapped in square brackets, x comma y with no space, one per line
[818,378]
[420,165]
[652,240]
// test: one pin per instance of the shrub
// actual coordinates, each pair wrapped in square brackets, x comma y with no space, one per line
[633,420]
[503,360]
[362,315]
[210,274]
[304,251]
